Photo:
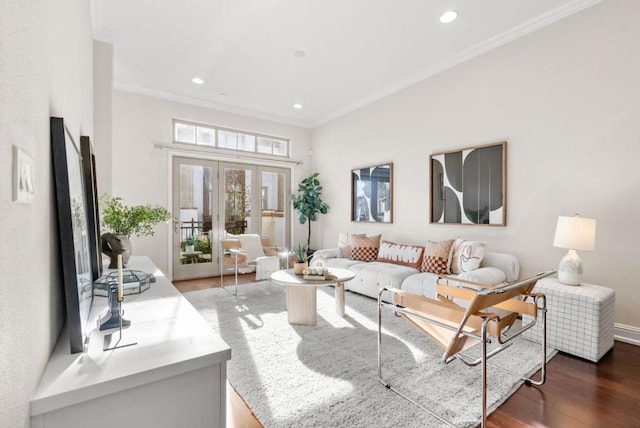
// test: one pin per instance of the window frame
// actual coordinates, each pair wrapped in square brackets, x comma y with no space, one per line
[256,136]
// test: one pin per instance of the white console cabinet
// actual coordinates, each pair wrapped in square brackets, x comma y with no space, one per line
[175,375]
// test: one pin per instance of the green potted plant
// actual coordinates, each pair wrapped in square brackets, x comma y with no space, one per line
[308,202]
[124,221]
[190,244]
[300,254]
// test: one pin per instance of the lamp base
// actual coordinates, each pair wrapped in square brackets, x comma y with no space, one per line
[570,269]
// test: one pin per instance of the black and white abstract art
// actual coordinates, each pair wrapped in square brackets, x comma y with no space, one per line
[469,186]
[372,194]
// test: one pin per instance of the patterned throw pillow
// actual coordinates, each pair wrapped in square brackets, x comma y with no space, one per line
[436,257]
[400,254]
[365,248]
[344,243]
[467,255]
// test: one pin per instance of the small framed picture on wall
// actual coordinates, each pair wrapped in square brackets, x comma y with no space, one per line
[372,194]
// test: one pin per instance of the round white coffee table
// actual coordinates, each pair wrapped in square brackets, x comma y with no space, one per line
[302,294]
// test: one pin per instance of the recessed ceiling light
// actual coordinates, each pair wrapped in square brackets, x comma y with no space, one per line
[299,53]
[448,16]
[298,106]
[197,81]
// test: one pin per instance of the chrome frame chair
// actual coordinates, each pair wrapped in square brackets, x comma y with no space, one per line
[233,257]
[489,317]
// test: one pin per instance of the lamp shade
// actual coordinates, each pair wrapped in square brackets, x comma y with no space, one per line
[576,233]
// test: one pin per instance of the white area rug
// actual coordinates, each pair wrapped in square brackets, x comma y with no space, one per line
[326,375]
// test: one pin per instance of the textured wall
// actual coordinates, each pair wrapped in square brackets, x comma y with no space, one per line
[566,98]
[45,69]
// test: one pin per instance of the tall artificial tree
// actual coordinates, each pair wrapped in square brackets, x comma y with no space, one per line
[308,202]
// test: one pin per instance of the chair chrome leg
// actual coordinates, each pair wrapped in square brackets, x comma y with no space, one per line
[484,372]
[235,289]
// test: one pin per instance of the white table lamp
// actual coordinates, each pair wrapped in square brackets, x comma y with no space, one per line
[574,233]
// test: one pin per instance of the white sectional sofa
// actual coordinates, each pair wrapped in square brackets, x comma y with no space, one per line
[371,276]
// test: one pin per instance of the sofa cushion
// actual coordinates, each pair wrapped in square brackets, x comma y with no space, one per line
[365,248]
[467,255]
[436,257]
[371,277]
[400,254]
[344,243]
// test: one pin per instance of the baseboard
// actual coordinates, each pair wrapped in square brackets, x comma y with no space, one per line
[626,333]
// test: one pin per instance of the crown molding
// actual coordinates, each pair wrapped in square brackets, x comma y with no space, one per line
[212,105]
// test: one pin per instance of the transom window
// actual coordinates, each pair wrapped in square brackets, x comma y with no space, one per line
[230,139]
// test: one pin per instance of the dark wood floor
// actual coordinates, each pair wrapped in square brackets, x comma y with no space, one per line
[578,393]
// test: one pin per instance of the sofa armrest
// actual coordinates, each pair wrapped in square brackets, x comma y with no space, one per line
[328,253]
[507,263]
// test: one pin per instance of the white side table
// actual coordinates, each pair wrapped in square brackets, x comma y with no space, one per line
[579,318]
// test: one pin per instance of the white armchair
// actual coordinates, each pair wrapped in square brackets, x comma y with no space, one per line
[243,254]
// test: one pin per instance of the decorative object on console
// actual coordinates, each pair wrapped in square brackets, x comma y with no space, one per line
[134,282]
[466,255]
[113,246]
[308,202]
[436,257]
[73,232]
[365,248]
[469,186]
[400,254]
[372,194]
[126,221]
[574,233]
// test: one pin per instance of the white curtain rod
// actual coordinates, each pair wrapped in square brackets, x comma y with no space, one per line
[205,151]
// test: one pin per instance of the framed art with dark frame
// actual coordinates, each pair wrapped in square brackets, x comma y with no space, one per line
[73,230]
[469,186]
[372,194]
[93,212]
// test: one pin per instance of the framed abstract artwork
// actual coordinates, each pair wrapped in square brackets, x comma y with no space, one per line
[469,186]
[372,194]
[73,232]
[93,211]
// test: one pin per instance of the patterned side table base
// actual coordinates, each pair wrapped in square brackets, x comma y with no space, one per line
[580,319]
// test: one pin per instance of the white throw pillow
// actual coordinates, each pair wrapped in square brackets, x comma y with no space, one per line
[467,255]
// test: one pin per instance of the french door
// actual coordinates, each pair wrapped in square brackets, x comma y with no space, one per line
[213,198]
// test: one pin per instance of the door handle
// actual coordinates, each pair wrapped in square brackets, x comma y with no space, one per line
[176,225]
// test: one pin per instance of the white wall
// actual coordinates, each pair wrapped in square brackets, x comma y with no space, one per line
[567,100]
[102,112]
[45,70]
[141,173]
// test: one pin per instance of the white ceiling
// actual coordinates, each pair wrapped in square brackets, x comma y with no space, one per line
[356,50]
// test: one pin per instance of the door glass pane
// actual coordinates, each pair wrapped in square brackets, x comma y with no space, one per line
[195,214]
[273,203]
[237,200]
